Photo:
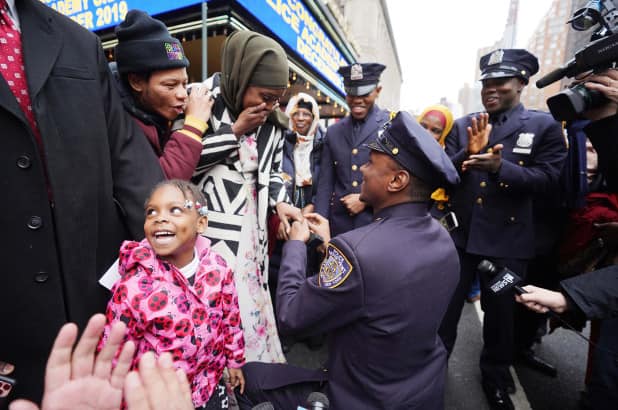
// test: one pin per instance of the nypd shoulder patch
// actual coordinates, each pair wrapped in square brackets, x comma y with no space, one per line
[335,268]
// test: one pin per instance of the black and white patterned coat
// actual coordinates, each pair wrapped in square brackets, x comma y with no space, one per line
[219,176]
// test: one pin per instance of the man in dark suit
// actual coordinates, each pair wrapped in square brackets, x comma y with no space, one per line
[381,305]
[75,174]
[345,151]
[506,157]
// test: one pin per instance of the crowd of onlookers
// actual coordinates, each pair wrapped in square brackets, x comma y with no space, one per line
[233,221]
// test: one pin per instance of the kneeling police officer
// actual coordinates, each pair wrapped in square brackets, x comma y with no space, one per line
[381,291]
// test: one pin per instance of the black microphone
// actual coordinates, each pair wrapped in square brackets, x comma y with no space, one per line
[501,279]
[555,75]
[263,406]
[317,401]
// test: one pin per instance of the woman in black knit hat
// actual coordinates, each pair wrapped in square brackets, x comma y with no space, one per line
[152,70]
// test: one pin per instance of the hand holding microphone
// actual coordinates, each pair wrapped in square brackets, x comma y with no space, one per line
[542,300]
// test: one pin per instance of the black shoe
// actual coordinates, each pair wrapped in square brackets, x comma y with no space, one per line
[530,359]
[497,398]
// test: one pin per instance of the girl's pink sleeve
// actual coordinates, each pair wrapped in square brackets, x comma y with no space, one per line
[234,337]
[124,306]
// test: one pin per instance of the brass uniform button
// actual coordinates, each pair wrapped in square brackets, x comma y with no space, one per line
[512,219]
[354,183]
[501,184]
[354,167]
[354,151]
[483,184]
[479,201]
[521,163]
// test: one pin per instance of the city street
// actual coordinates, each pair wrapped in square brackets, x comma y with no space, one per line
[563,348]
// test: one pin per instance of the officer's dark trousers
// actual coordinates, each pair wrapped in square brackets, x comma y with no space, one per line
[259,387]
[498,325]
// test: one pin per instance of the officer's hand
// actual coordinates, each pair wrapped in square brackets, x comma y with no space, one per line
[319,225]
[249,119]
[353,203]
[299,231]
[489,162]
[605,82]
[286,212]
[478,134]
[542,300]
[200,102]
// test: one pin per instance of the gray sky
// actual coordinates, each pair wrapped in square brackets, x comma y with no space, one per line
[437,42]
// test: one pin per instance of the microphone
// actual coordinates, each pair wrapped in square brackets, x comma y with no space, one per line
[501,279]
[263,406]
[317,401]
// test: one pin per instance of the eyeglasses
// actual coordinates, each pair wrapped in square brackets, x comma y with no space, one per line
[270,98]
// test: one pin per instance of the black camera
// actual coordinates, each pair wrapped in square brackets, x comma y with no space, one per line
[600,54]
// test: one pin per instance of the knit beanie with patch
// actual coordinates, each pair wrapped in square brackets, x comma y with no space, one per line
[145,45]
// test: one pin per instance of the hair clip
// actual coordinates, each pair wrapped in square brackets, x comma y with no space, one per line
[201,210]
[188,204]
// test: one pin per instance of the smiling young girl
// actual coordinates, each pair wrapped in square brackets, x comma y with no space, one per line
[177,295]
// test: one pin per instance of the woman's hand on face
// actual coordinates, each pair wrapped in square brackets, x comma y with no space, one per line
[200,103]
[249,119]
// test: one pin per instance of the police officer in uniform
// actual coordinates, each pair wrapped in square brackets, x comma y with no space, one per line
[506,158]
[382,305]
[345,151]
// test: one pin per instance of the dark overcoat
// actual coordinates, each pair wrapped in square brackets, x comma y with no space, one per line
[61,235]
[343,154]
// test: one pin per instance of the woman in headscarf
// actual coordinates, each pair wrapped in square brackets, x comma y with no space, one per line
[240,174]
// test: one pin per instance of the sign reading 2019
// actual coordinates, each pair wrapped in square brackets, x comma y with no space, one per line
[295,25]
[99,14]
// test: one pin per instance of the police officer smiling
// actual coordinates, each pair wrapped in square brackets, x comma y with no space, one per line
[507,157]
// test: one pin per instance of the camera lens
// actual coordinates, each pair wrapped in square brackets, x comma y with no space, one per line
[569,104]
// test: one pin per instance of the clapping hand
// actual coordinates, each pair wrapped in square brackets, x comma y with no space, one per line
[78,379]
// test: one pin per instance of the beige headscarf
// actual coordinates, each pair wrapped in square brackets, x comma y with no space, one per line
[249,58]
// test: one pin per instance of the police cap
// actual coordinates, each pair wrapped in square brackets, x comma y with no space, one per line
[360,79]
[509,62]
[416,150]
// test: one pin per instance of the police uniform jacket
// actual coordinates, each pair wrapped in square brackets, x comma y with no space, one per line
[381,307]
[97,171]
[343,154]
[495,211]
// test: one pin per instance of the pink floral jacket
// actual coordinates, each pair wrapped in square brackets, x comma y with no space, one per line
[199,324]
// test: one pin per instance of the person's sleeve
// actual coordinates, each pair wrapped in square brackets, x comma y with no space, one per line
[454,149]
[120,309]
[277,191]
[182,152]
[543,173]
[326,180]
[216,147]
[135,169]
[318,304]
[234,337]
[594,293]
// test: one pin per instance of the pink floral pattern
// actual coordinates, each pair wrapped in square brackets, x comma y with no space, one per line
[200,324]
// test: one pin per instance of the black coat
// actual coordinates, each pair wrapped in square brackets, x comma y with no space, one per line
[99,169]
[595,294]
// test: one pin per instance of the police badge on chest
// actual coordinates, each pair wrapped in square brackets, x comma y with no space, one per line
[524,143]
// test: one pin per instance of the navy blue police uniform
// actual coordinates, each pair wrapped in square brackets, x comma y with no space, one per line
[495,210]
[345,151]
[382,308]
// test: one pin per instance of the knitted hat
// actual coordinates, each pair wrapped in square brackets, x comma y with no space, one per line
[145,45]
